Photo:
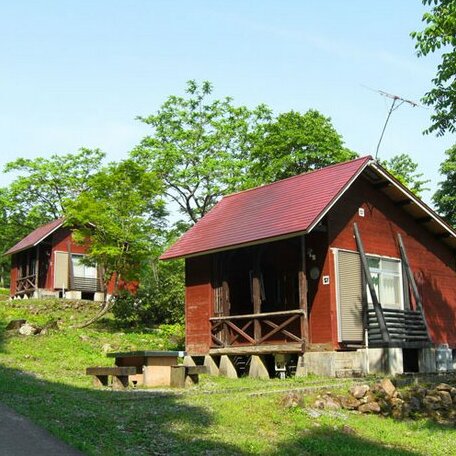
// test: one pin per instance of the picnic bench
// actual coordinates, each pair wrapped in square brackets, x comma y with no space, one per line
[182,376]
[145,368]
[119,375]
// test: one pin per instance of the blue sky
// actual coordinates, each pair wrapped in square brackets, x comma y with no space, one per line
[77,74]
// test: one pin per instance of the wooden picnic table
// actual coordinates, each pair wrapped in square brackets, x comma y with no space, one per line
[154,365]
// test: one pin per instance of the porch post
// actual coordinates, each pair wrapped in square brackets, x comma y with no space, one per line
[37,267]
[302,281]
[256,292]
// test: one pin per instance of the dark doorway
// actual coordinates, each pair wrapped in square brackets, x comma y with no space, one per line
[410,360]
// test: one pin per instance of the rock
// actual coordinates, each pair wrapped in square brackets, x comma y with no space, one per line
[370,407]
[358,391]
[387,387]
[414,404]
[443,387]
[349,402]
[445,397]
[15,324]
[53,324]
[313,413]
[431,402]
[369,397]
[290,400]
[327,402]
[28,330]
[346,429]
[106,348]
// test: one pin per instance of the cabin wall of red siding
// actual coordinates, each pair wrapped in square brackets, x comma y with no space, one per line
[13,274]
[198,304]
[321,318]
[432,262]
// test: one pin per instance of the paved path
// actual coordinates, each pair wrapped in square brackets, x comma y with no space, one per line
[20,437]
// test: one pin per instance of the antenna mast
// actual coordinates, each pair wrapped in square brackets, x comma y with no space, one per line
[396,104]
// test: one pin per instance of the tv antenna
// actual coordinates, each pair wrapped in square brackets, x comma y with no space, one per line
[396,104]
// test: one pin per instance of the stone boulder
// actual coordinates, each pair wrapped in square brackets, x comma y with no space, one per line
[358,391]
[29,330]
[370,407]
[15,324]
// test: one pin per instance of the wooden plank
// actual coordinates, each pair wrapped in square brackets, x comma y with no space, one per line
[256,293]
[280,328]
[258,349]
[118,371]
[303,291]
[244,328]
[411,279]
[377,307]
[258,315]
[239,330]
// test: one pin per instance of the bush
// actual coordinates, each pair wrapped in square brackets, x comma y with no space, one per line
[159,299]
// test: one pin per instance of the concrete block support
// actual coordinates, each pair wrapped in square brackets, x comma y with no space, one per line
[72,294]
[301,370]
[427,360]
[227,368]
[257,368]
[386,361]
[188,361]
[211,366]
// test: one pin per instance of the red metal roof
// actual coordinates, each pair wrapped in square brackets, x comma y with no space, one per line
[284,207]
[36,236]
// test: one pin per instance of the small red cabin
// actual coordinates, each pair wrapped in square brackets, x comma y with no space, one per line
[47,262]
[338,271]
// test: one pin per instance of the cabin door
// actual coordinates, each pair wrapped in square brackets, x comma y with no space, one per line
[349,293]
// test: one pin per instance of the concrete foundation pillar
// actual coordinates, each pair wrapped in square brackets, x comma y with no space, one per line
[227,368]
[301,370]
[211,366]
[188,361]
[257,368]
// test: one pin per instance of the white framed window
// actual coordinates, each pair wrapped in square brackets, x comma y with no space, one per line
[386,274]
[82,270]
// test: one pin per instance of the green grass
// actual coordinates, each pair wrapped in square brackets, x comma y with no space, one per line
[43,378]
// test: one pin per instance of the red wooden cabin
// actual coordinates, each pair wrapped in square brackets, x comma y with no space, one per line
[47,262]
[341,266]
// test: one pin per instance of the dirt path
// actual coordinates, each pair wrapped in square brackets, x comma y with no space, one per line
[20,437]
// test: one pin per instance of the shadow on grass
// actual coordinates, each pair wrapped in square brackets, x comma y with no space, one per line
[142,422]
[328,441]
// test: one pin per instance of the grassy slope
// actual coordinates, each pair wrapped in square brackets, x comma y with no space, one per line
[43,378]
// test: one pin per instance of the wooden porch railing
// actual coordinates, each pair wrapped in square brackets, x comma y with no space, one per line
[257,329]
[26,284]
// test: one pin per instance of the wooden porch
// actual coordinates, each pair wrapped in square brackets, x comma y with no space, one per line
[259,333]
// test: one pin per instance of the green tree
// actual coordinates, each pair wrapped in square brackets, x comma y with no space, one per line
[199,147]
[43,186]
[38,194]
[120,219]
[295,143]
[445,197]
[439,34]
[403,168]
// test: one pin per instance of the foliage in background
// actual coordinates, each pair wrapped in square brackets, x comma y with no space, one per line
[159,299]
[294,143]
[439,35]
[404,169]
[199,147]
[119,219]
[445,197]
[38,194]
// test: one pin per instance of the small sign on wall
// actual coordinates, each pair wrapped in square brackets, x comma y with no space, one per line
[325,280]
